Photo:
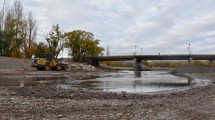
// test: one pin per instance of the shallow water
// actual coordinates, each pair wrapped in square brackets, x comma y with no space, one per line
[126,81]
[31,81]
[133,82]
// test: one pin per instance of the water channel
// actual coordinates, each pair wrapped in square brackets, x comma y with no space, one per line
[135,82]
[121,81]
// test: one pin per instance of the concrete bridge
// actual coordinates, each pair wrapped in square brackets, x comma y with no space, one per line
[138,58]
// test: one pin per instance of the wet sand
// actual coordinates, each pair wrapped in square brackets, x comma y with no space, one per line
[49,102]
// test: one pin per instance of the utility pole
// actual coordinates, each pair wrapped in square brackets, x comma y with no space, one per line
[141,51]
[189,49]
[107,51]
[135,49]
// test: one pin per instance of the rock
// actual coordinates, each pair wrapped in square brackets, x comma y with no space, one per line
[81,66]
[150,111]
[60,115]
[119,114]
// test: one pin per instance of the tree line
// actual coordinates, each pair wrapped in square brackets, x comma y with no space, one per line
[18,32]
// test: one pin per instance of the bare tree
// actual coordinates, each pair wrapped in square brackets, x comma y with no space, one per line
[18,25]
[14,30]
[3,11]
[17,31]
[17,10]
[31,33]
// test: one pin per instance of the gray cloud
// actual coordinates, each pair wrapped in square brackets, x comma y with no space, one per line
[153,25]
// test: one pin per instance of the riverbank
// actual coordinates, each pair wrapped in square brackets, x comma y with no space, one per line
[46,101]
[49,102]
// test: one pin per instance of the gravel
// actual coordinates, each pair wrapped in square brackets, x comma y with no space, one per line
[49,102]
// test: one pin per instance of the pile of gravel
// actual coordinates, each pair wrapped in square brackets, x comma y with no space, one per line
[15,63]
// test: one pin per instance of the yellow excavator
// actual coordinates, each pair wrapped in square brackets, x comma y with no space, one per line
[47,62]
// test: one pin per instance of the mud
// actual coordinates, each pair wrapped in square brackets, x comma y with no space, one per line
[50,102]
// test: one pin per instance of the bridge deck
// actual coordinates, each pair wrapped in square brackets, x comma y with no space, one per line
[156,57]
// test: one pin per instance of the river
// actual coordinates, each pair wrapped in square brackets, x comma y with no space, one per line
[121,81]
[134,82]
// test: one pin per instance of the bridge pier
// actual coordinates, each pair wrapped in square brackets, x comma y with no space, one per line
[137,64]
[95,63]
[190,60]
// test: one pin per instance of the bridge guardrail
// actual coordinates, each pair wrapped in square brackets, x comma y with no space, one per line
[160,53]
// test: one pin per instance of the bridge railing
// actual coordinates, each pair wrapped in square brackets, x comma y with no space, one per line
[161,53]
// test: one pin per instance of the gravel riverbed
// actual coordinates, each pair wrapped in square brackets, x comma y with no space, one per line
[50,102]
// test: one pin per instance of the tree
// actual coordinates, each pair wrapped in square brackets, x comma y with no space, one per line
[55,41]
[17,26]
[13,37]
[41,48]
[28,46]
[82,44]
[145,62]
[3,11]
[17,34]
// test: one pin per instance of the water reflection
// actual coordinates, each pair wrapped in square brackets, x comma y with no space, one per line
[128,81]
[30,81]
[137,74]
[190,79]
[93,85]
[136,82]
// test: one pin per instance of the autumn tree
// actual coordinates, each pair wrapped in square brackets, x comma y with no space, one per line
[16,26]
[13,34]
[41,48]
[55,41]
[17,34]
[29,41]
[5,17]
[82,44]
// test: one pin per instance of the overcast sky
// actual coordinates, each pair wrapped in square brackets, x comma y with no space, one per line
[165,26]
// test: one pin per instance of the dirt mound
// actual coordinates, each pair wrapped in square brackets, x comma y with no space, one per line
[15,63]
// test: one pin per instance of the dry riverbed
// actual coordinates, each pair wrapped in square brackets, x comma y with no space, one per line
[49,102]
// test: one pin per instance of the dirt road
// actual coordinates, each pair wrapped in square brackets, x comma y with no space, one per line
[49,102]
